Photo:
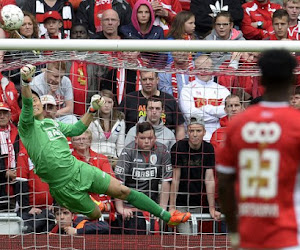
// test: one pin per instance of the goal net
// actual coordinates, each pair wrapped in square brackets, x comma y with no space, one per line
[191,80]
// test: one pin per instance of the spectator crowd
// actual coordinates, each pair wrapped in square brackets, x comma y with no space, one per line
[158,131]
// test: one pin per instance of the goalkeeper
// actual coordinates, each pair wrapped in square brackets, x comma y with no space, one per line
[70,180]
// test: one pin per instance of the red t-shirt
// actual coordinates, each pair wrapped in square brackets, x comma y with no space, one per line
[262,147]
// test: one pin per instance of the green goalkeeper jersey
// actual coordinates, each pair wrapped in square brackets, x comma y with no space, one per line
[47,145]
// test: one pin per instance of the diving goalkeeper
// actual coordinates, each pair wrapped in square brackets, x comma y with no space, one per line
[70,180]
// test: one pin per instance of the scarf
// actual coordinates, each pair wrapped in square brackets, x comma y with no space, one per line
[79,79]
[121,78]
[7,148]
[174,78]
[100,7]
[66,16]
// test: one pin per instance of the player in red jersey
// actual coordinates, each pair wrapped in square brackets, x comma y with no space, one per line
[258,165]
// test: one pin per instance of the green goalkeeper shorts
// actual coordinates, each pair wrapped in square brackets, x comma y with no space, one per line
[74,195]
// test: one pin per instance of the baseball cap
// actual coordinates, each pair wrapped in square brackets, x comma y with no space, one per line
[195,119]
[4,106]
[52,14]
[48,99]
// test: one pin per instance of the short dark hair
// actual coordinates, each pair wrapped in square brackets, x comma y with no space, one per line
[223,14]
[280,13]
[154,98]
[144,126]
[277,67]
[232,96]
[35,93]
[296,91]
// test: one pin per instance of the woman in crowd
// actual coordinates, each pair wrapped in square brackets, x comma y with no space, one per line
[108,129]
[223,30]
[29,28]
[142,27]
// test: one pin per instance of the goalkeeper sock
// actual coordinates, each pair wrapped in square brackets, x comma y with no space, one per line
[143,202]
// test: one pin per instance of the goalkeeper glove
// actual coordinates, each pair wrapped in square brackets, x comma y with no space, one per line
[27,73]
[97,102]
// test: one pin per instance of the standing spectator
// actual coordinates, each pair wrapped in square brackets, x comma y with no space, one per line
[165,11]
[154,109]
[223,30]
[71,224]
[108,129]
[82,151]
[257,18]
[53,24]
[39,7]
[295,98]
[54,82]
[204,97]
[193,161]
[293,9]
[9,148]
[233,106]
[90,13]
[206,10]
[280,23]
[143,164]
[134,105]
[142,26]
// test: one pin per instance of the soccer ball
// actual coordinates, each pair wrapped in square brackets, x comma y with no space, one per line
[12,17]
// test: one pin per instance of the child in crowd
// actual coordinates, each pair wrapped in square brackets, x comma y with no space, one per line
[53,23]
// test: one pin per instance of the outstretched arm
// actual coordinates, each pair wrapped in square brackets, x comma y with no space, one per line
[27,73]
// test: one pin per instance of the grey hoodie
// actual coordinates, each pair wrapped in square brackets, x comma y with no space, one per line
[162,133]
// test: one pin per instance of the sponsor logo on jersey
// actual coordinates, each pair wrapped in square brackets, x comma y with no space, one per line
[263,132]
[137,160]
[144,174]
[119,170]
[153,159]
[258,209]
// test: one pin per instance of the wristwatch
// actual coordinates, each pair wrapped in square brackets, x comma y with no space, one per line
[260,24]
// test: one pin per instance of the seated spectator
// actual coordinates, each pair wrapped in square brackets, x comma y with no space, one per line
[183,27]
[257,18]
[90,13]
[233,106]
[143,165]
[295,98]
[154,110]
[172,83]
[29,28]
[142,26]
[82,151]
[223,30]
[204,97]
[293,9]
[34,197]
[165,11]
[10,95]
[134,105]
[54,82]
[247,85]
[78,31]
[108,129]
[110,22]
[71,224]
[53,23]
[206,10]
[280,24]
[39,7]
[193,161]
[9,148]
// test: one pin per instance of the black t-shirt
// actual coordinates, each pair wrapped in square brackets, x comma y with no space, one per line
[193,164]
[134,106]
